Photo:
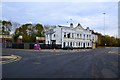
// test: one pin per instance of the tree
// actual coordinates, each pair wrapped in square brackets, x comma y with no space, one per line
[6,27]
[0,26]
[29,32]
[39,27]
[108,40]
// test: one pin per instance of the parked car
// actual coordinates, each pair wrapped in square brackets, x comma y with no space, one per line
[68,48]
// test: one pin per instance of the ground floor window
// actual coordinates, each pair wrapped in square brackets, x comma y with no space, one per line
[70,43]
[88,44]
[73,43]
[79,43]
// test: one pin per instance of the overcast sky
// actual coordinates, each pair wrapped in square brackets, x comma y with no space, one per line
[88,14]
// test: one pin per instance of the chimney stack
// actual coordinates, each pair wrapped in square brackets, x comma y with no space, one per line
[87,28]
[71,25]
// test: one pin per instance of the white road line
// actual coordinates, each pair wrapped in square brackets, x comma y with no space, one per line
[114,52]
[11,58]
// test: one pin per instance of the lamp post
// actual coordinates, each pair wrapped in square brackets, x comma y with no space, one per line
[104,28]
[104,23]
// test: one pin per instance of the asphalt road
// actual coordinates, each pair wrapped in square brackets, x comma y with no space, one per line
[95,63]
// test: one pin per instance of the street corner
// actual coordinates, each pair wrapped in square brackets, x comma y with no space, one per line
[5,59]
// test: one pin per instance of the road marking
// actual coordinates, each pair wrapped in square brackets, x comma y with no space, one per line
[11,58]
[114,52]
[7,57]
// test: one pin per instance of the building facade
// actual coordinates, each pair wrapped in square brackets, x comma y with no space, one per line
[76,37]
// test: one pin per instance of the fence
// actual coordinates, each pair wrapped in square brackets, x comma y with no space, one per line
[31,46]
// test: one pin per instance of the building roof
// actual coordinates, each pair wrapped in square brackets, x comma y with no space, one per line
[79,26]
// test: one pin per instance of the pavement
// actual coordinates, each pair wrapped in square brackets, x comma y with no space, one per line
[55,50]
[82,63]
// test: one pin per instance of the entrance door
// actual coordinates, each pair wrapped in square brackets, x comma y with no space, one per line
[53,43]
[64,44]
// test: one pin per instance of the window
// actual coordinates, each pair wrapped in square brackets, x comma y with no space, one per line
[87,36]
[54,35]
[77,35]
[73,43]
[88,44]
[84,36]
[80,35]
[70,43]
[76,44]
[68,35]
[64,34]
[72,35]
[79,43]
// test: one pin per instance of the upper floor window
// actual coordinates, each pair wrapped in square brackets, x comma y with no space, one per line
[77,35]
[68,35]
[64,34]
[54,35]
[84,36]
[87,36]
[72,35]
[80,35]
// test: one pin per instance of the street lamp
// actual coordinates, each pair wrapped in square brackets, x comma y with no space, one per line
[104,27]
[104,23]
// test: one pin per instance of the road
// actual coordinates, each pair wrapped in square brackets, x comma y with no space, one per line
[94,63]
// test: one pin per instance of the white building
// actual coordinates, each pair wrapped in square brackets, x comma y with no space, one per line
[77,37]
